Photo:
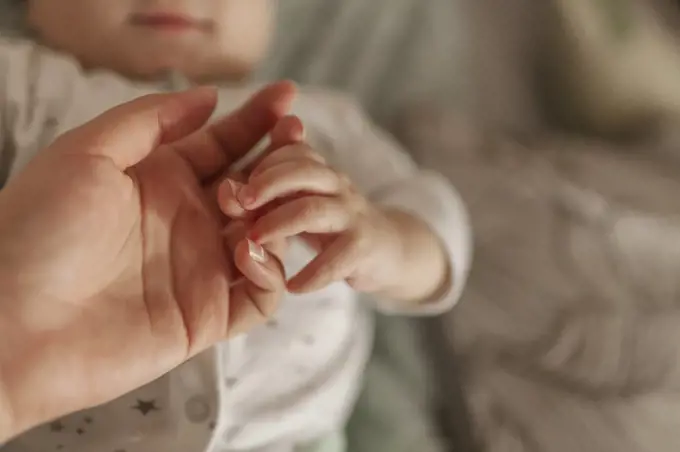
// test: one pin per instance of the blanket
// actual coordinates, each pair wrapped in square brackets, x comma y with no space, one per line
[568,335]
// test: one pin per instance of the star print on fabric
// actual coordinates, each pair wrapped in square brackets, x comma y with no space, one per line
[87,419]
[56,426]
[51,123]
[60,446]
[145,406]
[80,431]
[212,425]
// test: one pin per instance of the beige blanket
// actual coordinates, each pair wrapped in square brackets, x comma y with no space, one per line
[569,333]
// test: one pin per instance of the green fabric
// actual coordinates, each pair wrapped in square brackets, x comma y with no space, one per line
[332,443]
[11,13]
[392,414]
[386,53]
[619,16]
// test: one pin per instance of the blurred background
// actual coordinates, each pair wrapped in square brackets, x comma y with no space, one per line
[510,78]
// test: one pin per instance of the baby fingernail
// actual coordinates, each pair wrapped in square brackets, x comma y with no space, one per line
[236,188]
[245,197]
[257,252]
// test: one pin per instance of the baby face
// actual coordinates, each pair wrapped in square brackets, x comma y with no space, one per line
[203,39]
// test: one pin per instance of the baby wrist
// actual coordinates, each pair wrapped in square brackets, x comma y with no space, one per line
[421,269]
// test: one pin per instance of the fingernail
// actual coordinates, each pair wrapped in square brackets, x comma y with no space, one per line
[301,133]
[245,197]
[257,252]
[235,187]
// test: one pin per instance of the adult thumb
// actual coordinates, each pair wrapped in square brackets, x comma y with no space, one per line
[128,133]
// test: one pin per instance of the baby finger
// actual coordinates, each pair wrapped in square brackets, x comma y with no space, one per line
[337,263]
[289,178]
[310,214]
[291,152]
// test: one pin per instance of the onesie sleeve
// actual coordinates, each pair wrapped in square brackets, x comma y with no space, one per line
[31,81]
[43,94]
[387,175]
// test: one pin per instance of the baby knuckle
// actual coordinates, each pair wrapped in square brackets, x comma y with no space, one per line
[357,239]
[354,255]
[266,162]
[299,150]
[309,166]
[311,206]
[366,235]
[307,151]
[344,181]
[356,202]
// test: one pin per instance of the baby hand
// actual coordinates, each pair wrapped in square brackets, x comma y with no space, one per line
[293,192]
[257,269]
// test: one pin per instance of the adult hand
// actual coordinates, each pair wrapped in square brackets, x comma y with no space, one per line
[113,267]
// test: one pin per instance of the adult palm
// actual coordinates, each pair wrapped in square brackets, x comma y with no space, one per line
[112,264]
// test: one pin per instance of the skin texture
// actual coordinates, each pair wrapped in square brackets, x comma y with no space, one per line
[292,192]
[125,230]
[226,39]
[113,264]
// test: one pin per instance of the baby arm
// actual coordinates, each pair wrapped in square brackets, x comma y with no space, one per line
[374,219]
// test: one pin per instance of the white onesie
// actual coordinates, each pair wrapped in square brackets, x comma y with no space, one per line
[286,383]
